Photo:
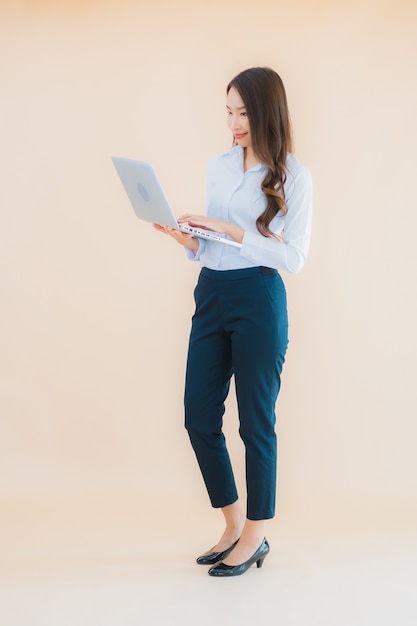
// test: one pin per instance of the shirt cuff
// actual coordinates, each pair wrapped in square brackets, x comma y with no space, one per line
[194,255]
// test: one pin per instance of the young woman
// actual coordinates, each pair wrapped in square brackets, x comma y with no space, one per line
[260,195]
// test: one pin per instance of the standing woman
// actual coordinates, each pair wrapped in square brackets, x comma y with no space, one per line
[260,195]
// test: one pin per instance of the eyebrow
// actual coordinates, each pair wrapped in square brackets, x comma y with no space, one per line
[238,108]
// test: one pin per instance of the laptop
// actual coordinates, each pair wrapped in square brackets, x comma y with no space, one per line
[149,201]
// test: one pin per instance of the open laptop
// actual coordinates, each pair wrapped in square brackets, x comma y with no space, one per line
[149,201]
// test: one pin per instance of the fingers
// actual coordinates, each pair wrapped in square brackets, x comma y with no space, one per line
[198,221]
[165,229]
[159,228]
[187,217]
[180,237]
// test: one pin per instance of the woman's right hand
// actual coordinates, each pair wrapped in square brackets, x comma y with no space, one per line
[184,239]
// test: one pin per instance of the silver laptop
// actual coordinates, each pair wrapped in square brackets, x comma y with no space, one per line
[149,201]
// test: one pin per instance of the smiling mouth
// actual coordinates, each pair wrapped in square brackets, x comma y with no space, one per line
[240,135]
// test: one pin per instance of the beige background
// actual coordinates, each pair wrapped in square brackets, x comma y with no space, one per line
[96,306]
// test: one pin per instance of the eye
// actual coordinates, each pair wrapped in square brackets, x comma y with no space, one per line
[244,113]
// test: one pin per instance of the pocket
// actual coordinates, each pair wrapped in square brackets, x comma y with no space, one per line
[276,301]
[276,294]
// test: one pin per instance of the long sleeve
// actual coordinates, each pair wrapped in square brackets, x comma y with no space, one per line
[289,255]
[235,196]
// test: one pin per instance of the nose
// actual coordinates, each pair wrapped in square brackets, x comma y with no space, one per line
[233,122]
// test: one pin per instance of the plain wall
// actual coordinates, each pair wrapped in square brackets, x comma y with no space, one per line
[95,305]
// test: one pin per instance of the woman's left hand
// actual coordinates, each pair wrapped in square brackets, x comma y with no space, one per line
[218,226]
[201,221]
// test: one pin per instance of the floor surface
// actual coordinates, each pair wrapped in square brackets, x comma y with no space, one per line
[87,566]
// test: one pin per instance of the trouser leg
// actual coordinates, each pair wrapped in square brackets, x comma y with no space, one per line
[208,373]
[258,352]
[239,326]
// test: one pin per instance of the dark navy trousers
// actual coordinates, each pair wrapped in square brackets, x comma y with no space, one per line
[240,328]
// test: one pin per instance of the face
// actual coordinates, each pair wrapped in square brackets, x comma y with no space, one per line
[237,118]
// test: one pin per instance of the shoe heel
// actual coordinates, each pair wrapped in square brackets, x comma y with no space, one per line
[260,561]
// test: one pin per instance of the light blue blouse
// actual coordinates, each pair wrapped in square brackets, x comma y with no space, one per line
[235,196]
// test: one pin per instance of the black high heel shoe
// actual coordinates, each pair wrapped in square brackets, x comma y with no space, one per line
[221,569]
[210,557]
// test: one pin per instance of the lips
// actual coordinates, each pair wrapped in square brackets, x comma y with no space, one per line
[240,135]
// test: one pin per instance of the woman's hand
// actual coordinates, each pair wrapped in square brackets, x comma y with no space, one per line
[184,239]
[218,226]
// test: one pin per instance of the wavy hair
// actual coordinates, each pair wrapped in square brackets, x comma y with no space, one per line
[263,94]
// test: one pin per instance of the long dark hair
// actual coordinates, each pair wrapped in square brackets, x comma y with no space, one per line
[263,94]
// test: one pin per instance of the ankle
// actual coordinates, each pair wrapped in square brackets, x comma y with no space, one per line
[236,525]
[253,532]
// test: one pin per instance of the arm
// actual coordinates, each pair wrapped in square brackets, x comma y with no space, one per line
[290,255]
[286,252]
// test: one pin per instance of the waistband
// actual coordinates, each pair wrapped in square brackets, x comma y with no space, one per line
[247,272]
